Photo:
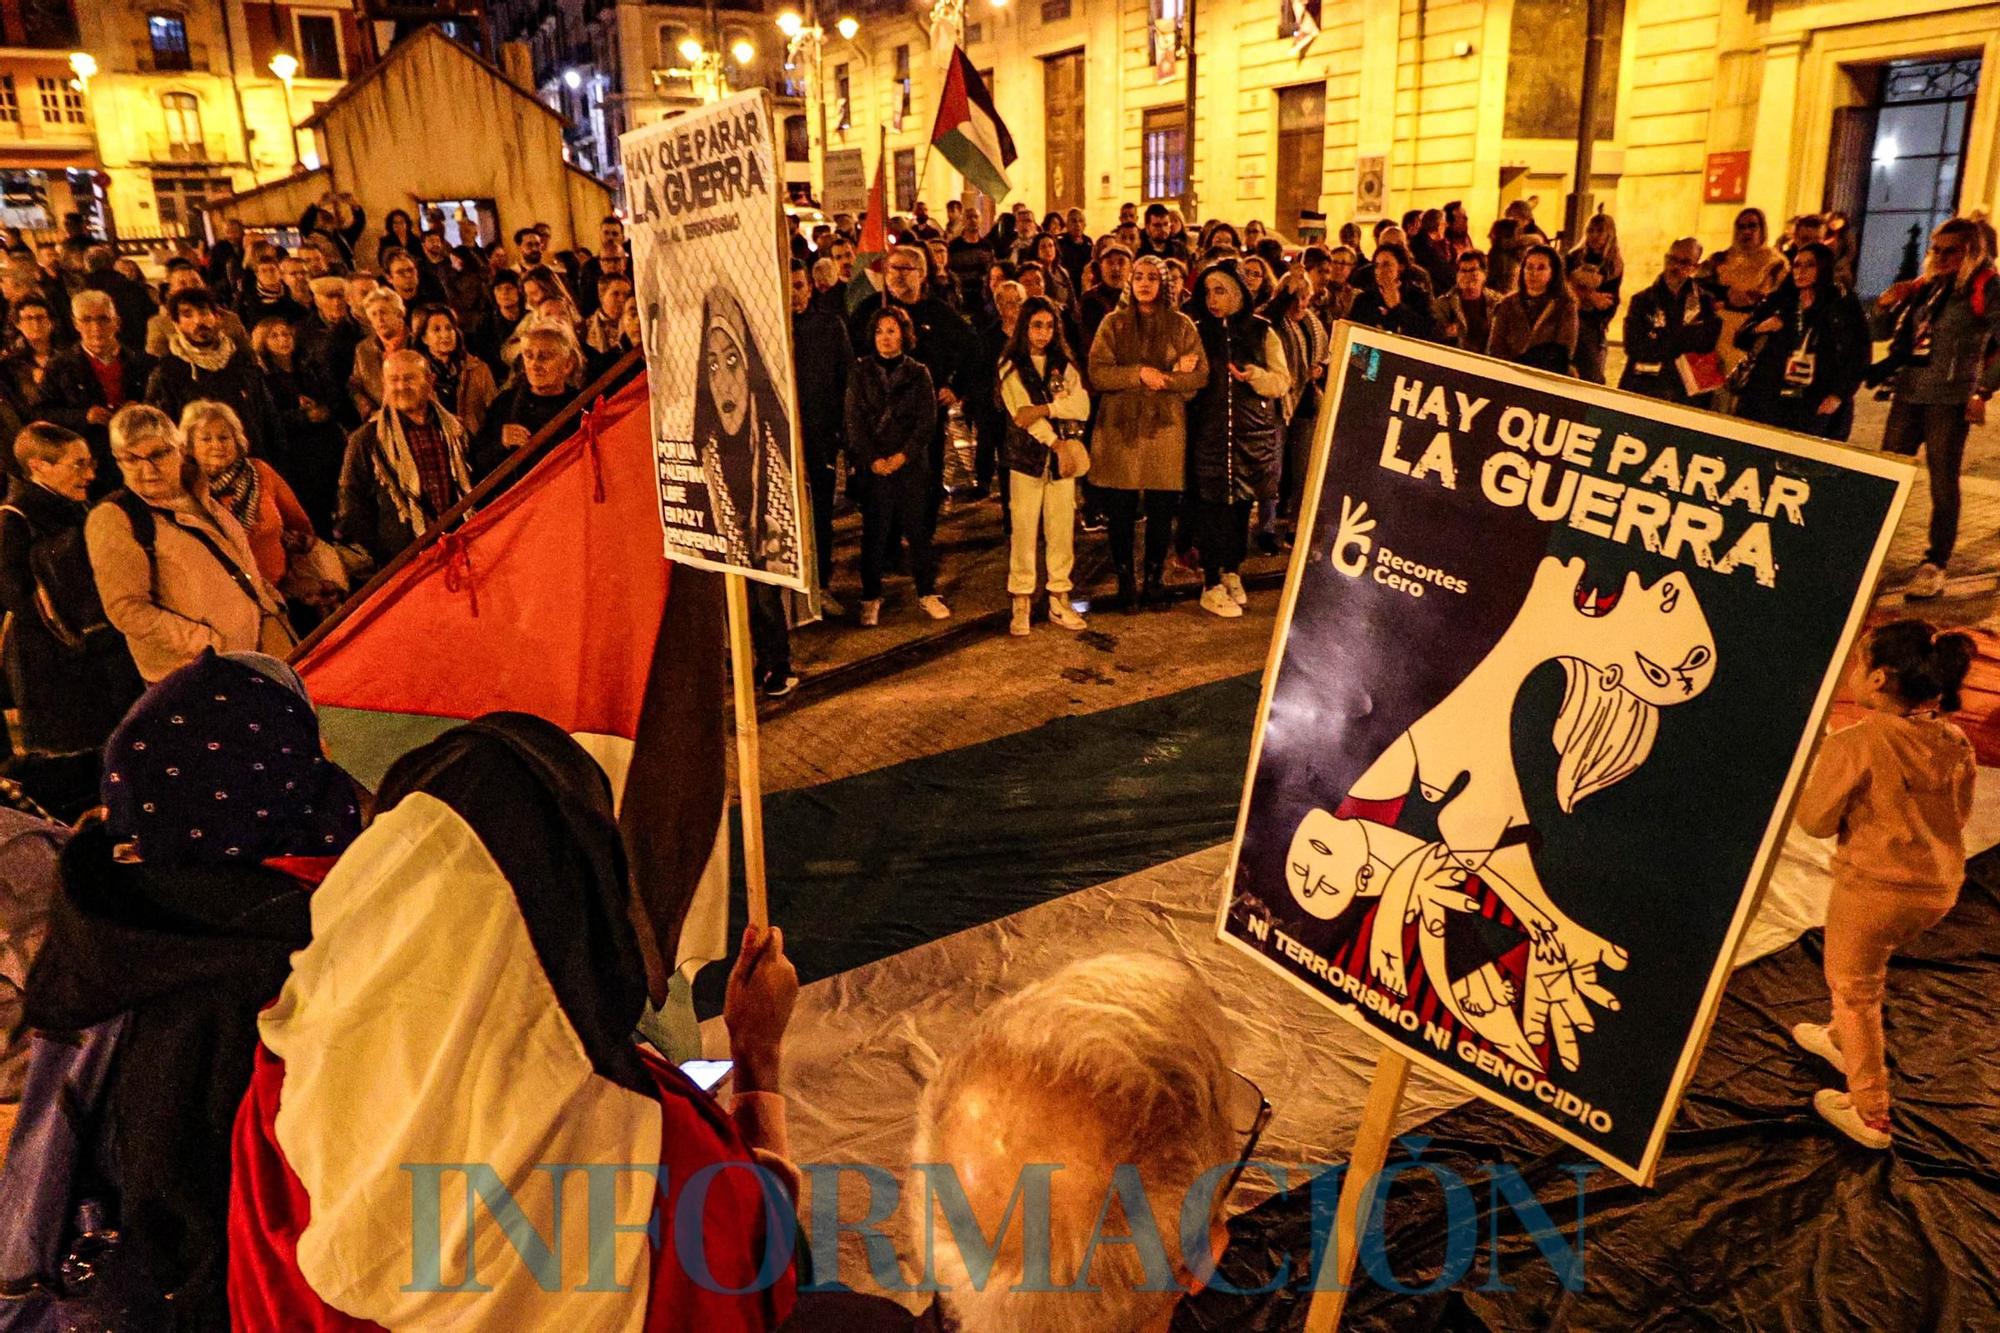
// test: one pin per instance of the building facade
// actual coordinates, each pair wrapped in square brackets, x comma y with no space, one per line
[1887,112]
[609,66]
[182,102]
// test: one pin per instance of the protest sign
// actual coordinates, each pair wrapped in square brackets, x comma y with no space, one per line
[1550,665]
[846,182]
[713,287]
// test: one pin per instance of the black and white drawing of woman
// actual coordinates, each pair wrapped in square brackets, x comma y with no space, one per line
[743,438]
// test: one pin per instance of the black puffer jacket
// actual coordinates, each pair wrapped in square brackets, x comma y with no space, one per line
[891,412]
[1234,425]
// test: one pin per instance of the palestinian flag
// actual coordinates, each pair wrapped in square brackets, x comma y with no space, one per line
[870,255]
[969,132]
[554,600]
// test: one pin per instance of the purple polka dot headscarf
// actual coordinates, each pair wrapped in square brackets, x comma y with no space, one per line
[220,763]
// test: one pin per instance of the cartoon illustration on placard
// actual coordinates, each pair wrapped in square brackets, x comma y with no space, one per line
[1438,823]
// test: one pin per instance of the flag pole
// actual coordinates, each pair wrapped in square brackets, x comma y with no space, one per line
[749,778]
[1357,1189]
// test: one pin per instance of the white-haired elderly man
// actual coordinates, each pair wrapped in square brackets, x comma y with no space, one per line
[84,386]
[405,466]
[545,383]
[1115,1072]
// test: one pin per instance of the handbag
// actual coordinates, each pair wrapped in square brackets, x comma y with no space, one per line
[311,573]
[1072,459]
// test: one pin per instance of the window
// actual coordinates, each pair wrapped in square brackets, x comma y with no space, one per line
[906,179]
[797,142]
[61,104]
[903,86]
[10,102]
[1545,68]
[180,198]
[975,33]
[319,46]
[1163,153]
[842,89]
[1055,11]
[48,23]
[183,115]
[169,36]
[670,36]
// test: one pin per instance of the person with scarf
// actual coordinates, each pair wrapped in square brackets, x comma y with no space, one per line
[464,386]
[1813,351]
[1146,363]
[891,415]
[1233,445]
[1393,302]
[259,498]
[178,917]
[173,568]
[202,361]
[1596,271]
[267,297]
[1042,395]
[387,318]
[1941,328]
[68,673]
[497,841]
[1672,318]
[1307,345]
[1739,278]
[1536,324]
[313,440]
[612,327]
[404,468]
[548,364]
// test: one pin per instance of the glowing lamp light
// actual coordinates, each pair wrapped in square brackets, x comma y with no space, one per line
[285,65]
[572,79]
[84,66]
[848,27]
[1887,149]
[790,24]
[743,51]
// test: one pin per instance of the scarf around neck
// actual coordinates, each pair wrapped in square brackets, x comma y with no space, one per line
[396,467]
[238,489]
[210,359]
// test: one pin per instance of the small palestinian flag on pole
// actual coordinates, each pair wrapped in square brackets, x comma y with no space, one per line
[874,248]
[969,132]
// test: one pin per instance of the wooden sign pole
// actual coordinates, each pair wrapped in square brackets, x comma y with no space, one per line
[1371,1150]
[749,780]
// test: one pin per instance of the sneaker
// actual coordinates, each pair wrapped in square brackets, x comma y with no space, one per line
[1217,602]
[1837,1109]
[1062,613]
[1233,585]
[1018,626]
[777,687]
[871,611]
[1818,1039]
[1926,583]
[1093,523]
[829,605]
[934,607]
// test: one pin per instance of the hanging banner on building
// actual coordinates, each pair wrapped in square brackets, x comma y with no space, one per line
[713,275]
[1548,672]
[1298,23]
[846,183]
[1371,183]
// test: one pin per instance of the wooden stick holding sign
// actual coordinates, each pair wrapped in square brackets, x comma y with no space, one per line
[749,777]
[1357,1190]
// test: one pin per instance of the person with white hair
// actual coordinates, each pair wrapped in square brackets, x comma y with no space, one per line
[1116,1071]
[405,466]
[85,383]
[173,567]
[383,311]
[540,390]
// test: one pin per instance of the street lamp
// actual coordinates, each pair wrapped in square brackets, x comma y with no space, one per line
[84,66]
[572,79]
[847,27]
[286,66]
[743,51]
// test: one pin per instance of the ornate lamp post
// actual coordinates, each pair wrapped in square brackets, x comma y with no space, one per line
[286,66]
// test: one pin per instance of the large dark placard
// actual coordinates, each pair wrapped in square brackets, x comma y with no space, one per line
[1550,666]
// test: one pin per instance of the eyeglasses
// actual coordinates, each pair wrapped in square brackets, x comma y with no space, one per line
[155,459]
[1249,1115]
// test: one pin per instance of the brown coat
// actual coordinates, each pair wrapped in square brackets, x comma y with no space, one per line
[182,600]
[1140,440]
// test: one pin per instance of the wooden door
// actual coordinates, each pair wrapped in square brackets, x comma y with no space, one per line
[1301,154]
[1062,99]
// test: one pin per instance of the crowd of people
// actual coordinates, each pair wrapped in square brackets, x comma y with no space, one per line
[1166,376]
[216,461]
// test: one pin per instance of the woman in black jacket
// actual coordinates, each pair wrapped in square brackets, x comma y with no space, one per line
[1393,304]
[1233,440]
[313,442]
[1810,349]
[891,416]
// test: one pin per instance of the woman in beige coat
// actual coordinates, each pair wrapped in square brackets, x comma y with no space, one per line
[1145,364]
[200,587]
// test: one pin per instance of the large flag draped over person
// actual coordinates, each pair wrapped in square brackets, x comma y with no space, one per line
[554,600]
[969,131]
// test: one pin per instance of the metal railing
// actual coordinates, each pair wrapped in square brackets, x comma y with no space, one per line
[153,61]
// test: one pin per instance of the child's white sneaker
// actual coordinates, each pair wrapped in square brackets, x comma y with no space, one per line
[1063,614]
[1217,602]
[1233,585]
[1837,1109]
[1818,1039]
[933,606]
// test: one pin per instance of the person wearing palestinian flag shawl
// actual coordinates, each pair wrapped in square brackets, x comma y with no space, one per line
[451,1068]
[176,921]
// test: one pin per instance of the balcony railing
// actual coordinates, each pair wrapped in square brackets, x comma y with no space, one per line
[152,61]
[21,130]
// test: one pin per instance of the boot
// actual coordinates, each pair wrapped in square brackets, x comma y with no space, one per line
[1018,625]
[1128,594]
[1155,593]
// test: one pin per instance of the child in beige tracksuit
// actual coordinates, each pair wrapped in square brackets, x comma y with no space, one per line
[1896,787]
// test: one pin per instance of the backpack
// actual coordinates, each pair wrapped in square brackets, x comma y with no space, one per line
[66,599]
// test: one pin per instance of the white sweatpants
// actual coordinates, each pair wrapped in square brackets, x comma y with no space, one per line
[1041,503]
